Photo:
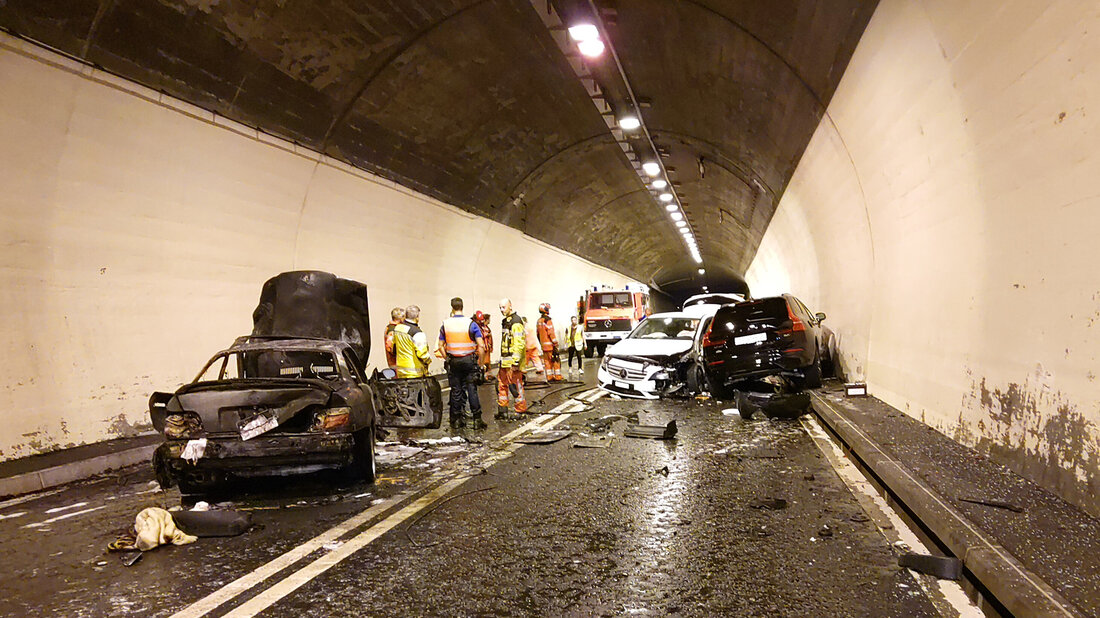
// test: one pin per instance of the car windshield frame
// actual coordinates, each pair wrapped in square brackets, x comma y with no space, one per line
[323,372]
[650,326]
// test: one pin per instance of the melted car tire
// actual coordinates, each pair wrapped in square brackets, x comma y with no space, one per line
[363,460]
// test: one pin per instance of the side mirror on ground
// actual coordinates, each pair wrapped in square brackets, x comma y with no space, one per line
[819,316]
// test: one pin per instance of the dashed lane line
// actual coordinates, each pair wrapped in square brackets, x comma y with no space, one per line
[254,578]
[51,520]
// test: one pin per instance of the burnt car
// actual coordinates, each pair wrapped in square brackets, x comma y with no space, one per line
[292,397]
[774,336]
[276,406]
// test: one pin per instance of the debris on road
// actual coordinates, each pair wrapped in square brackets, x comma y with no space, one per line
[213,523]
[604,423]
[152,527]
[937,566]
[773,405]
[652,432]
[437,441]
[594,442]
[132,559]
[994,503]
[769,504]
[825,531]
[732,412]
[663,471]
[387,453]
[859,518]
[544,437]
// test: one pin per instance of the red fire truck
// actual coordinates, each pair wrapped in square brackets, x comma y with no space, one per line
[609,314]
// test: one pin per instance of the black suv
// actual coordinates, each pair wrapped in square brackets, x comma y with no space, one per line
[764,337]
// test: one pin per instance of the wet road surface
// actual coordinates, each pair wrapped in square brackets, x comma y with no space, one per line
[642,527]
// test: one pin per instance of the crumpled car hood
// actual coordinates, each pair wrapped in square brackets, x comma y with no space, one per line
[651,348]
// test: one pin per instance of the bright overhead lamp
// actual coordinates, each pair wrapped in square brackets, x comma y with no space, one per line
[702,271]
[681,224]
[629,123]
[591,48]
[584,32]
[676,216]
[665,197]
[660,183]
[652,168]
[672,208]
[698,260]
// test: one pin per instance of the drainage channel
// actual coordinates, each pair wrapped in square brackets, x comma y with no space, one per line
[1022,593]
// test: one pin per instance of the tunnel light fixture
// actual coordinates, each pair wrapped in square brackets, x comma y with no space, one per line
[665,197]
[652,168]
[676,216]
[672,208]
[584,32]
[591,48]
[629,123]
[702,271]
[660,183]
[681,223]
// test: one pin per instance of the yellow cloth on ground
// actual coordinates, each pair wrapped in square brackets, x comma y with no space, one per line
[155,526]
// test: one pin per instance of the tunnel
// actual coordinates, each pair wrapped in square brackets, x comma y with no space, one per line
[919,180]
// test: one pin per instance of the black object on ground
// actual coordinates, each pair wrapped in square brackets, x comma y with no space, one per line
[544,437]
[994,503]
[769,504]
[652,432]
[937,566]
[132,558]
[773,405]
[212,523]
[603,423]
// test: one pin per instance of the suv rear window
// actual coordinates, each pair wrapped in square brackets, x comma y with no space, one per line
[768,312]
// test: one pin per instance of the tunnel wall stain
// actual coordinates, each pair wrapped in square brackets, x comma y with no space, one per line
[136,232]
[945,217]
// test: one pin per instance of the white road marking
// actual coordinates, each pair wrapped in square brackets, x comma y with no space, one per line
[65,516]
[21,499]
[897,529]
[13,515]
[250,580]
[65,508]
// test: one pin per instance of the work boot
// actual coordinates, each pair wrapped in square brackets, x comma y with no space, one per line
[457,421]
[475,423]
[502,413]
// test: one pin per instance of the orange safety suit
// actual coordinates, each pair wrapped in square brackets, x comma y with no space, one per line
[513,348]
[548,339]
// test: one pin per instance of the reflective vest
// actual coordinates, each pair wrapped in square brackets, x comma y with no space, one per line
[411,348]
[456,333]
[513,341]
[546,334]
[575,337]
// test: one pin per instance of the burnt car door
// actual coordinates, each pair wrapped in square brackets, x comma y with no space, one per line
[408,402]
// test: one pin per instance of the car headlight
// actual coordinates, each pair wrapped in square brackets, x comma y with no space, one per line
[331,418]
[660,375]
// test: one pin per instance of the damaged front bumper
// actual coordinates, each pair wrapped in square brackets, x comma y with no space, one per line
[638,380]
[268,455]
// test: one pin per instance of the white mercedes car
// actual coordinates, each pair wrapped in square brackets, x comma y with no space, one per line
[656,358]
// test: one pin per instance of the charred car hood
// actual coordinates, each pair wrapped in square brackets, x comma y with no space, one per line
[222,406]
[656,349]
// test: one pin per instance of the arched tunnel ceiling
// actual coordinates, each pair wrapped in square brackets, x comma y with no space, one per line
[472,101]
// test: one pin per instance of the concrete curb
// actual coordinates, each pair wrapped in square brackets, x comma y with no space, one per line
[1021,592]
[74,471]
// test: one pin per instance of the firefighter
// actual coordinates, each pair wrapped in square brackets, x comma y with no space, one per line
[574,340]
[411,346]
[397,316]
[513,347]
[533,358]
[461,342]
[548,341]
[485,358]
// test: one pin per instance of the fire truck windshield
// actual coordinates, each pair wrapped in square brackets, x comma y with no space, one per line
[609,300]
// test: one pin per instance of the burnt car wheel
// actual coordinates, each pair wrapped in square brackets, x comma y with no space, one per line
[811,376]
[363,460]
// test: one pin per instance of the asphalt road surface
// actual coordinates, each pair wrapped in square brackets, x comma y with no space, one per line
[493,527]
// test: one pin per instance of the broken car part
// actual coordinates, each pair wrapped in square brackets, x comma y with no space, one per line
[653,432]
[936,566]
[212,523]
[544,437]
[994,503]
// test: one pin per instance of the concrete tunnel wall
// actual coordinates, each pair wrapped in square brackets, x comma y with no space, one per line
[137,231]
[946,216]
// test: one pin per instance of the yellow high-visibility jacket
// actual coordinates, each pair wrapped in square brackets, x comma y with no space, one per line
[410,345]
[513,341]
[574,337]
